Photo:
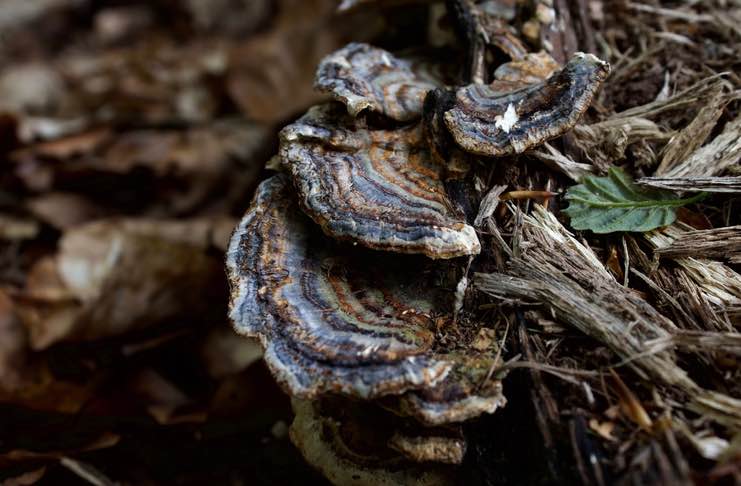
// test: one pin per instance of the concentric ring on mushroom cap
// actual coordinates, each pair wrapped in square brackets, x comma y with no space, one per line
[488,120]
[379,188]
[366,77]
[324,324]
[337,319]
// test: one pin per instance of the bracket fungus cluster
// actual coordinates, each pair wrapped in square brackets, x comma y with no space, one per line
[348,263]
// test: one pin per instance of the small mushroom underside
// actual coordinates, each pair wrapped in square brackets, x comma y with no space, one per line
[362,449]
[384,436]
[376,187]
[491,121]
[333,319]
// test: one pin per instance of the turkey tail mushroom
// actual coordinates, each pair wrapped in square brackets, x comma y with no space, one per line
[380,188]
[325,326]
[334,319]
[493,120]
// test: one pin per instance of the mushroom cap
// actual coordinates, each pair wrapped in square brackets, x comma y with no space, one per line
[533,67]
[342,320]
[466,392]
[376,187]
[329,322]
[366,77]
[493,121]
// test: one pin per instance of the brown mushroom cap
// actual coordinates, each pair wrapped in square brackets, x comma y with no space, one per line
[328,324]
[533,67]
[350,321]
[376,187]
[491,121]
[366,77]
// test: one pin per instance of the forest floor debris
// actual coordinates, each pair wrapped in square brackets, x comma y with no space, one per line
[133,138]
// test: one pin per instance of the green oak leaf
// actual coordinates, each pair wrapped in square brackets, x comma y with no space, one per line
[616,203]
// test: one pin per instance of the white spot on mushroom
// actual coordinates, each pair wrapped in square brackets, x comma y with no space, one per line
[508,120]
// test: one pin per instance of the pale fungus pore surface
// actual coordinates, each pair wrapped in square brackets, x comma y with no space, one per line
[502,119]
[376,187]
[329,323]
[364,77]
[355,450]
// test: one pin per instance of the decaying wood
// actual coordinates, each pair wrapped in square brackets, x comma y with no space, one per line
[469,23]
[605,142]
[713,158]
[725,342]
[488,205]
[688,97]
[556,160]
[705,184]
[557,271]
[720,284]
[557,34]
[678,294]
[722,243]
[694,135]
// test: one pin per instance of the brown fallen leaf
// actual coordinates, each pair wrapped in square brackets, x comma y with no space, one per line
[104,441]
[120,24]
[17,228]
[225,353]
[165,401]
[64,210]
[486,339]
[166,171]
[24,377]
[72,145]
[200,232]
[27,478]
[30,87]
[110,277]
[13,345]
[231,17]
[271,75]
